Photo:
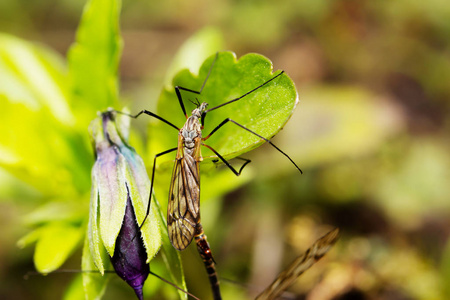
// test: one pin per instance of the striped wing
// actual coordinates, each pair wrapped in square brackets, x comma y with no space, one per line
[183,210]
[300,265]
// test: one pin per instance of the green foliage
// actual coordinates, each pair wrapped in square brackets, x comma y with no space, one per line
[264,111]
[371,137]
[55,104]
[94,57]
[48,109]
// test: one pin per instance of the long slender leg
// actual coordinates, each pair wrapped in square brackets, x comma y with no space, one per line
[246,162]
[151,184]
[178,88]
[172,284]
[227,163]
[252,132]
[147,113]
[238,98]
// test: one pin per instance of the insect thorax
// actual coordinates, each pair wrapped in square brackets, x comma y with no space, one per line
[190,131]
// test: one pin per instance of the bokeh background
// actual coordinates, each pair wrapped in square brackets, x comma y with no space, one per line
[371,133]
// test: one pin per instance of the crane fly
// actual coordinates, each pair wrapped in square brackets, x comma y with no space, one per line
[299,266]
[183,211]
[184,194]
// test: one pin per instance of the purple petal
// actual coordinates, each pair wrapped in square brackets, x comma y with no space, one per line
[130,255]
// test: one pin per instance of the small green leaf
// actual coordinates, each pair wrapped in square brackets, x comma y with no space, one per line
[57,242]
[94,58]
[264,111]
[35,76]
[35,111]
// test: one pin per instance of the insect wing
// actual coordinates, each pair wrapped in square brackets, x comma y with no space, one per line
[299,266]
[183,211]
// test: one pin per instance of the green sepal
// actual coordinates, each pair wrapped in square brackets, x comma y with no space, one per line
[113,198]
[94,283]
[93,234]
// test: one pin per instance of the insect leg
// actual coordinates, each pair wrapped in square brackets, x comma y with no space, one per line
[238,98]
[227,163]
[151,184]
[174,285]
[178,88]
[252,132]
[144,111]
[246,162]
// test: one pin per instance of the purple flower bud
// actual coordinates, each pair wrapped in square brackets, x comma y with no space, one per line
[119,201]
[129,259]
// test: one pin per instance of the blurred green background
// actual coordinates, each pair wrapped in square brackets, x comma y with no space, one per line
[371,133]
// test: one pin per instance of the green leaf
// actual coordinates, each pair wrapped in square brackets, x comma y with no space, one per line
[35,112]
[264,111]
[35,76]
[171,257]
[57,242]
[94,58]
[52,154]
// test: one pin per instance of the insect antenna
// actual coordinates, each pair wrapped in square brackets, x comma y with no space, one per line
[178,88]
[196,102]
